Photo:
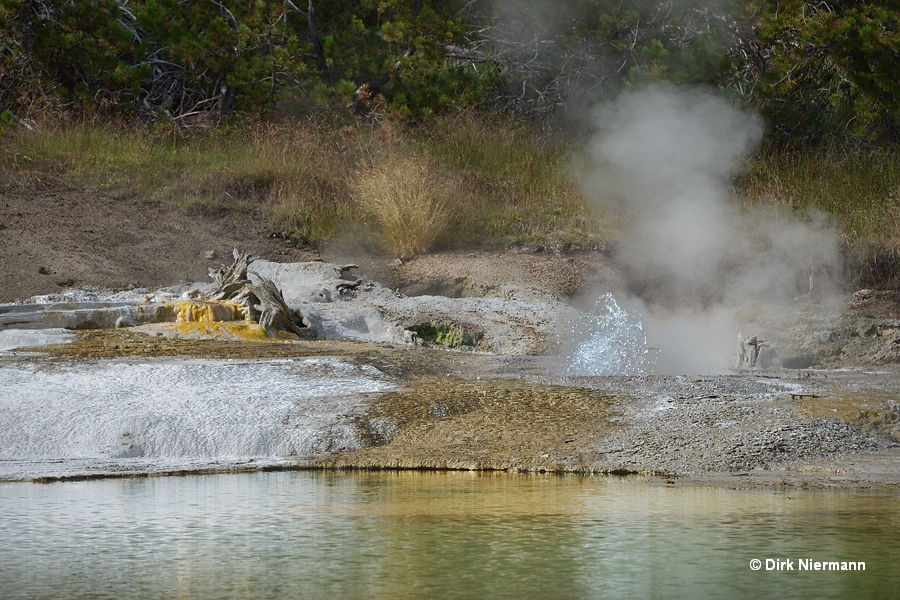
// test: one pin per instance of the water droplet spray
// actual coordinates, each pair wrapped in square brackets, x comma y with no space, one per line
[609,340]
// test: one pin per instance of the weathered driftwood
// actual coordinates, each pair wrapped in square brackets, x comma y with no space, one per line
[265,303]
[235,298]
[271,311]
[231,280]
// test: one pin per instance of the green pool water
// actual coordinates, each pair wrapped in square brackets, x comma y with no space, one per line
[439,535]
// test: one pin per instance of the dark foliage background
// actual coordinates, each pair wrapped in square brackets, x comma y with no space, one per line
[819,71]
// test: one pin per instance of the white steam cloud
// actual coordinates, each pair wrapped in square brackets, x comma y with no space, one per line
[664,160]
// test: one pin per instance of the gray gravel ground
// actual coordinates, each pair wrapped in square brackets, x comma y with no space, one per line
[696,426]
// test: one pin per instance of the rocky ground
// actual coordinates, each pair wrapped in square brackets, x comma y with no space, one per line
[831,421]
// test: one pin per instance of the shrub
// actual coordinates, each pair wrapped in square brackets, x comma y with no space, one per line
[407,200]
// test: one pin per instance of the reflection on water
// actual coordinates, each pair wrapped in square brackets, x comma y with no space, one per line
[435,535]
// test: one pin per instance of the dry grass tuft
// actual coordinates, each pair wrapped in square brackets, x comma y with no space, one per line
[407,199]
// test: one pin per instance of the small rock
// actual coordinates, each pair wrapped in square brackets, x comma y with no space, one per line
[44,271]
[211,255]
[411,337]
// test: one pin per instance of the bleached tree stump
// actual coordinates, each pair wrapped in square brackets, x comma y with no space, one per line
[264,302]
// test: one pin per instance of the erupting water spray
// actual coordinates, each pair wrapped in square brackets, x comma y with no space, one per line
[609,341]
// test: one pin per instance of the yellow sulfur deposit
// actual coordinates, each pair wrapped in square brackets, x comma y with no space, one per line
[206,311]
[228,331]
[211,319]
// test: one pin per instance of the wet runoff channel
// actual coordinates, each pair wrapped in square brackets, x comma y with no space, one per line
[407,534]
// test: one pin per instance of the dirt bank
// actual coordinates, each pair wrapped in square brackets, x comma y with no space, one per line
[54,237]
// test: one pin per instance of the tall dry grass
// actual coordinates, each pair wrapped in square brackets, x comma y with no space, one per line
[510,182]
[294,178]
[861,193]
[518,182]
[408,200]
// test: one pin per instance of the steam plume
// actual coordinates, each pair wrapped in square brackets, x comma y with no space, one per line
[664,159]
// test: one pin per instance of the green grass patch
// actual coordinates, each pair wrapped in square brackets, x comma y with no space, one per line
[446,335]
